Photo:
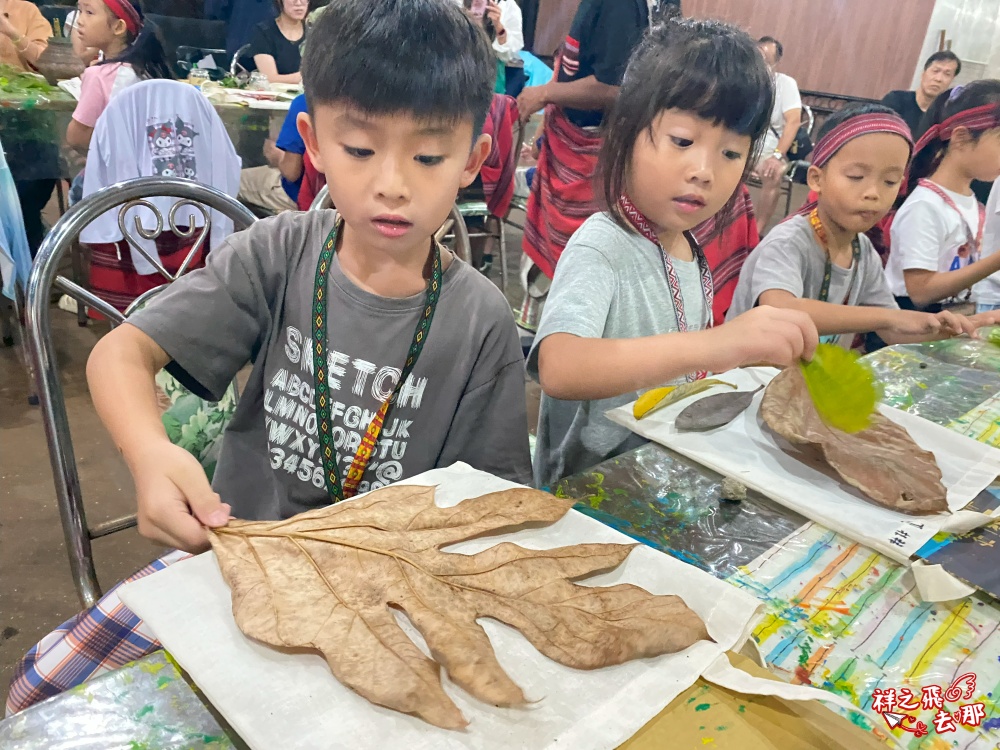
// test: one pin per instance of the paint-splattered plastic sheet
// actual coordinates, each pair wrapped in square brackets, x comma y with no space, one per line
[146,705]
[674,504]
[915,381]
[842,617]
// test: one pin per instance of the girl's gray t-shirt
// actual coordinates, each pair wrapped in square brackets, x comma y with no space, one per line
[609,283]
[253,302]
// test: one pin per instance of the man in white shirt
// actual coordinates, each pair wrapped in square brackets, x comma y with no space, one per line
[785,120]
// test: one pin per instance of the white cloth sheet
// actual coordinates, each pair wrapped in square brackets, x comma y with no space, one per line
[292,701]
[747,451]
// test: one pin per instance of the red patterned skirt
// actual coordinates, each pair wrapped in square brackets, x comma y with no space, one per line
[114,279]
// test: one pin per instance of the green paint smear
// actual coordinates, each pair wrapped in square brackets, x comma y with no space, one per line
[133,745]
[163,682]
[720,729]
[597,488]
[145,710]
[703,707]
[743,709]
[151,668]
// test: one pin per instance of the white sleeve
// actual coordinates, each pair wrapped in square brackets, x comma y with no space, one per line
[788,94]
[919,234]
[510,16]
[991,230]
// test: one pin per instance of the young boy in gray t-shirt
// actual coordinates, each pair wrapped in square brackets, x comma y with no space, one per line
[820,261]
[399,319]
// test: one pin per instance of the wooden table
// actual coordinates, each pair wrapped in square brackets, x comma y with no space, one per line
[33,133]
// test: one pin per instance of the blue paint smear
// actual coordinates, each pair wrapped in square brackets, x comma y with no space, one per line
[993,723]
[904,635]
[815,551]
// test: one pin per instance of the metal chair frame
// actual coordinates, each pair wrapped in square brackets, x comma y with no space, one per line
[479,210]
[41,352]
[454,221]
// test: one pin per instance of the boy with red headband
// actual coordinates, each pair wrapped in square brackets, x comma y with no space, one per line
[820,261]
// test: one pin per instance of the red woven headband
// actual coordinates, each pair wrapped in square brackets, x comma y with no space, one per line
[977,120]
[856,127]
[124,10]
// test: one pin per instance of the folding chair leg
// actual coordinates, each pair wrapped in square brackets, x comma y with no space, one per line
[60,198]
[788,199]
[503,254]
[76,255]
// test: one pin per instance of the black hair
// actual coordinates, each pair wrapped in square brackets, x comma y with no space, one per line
[144,51]
[424,57]
[949,104]
[945,55]
[851,111]
[707,68]
[779,48]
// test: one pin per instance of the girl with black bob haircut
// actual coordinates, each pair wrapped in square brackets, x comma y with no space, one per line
[632,299]
[937,234]
[690,66]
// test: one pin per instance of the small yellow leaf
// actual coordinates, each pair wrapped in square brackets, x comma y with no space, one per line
[649,399]
[658,398]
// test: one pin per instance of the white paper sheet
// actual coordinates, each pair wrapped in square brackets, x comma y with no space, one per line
[291,701]
[747,451]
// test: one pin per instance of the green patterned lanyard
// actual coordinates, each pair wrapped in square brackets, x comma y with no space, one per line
[322,392]
[820,231]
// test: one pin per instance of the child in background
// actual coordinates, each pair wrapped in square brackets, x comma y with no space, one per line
[631,303]
[132,52]
[820,261]
[937,233]
[400,144]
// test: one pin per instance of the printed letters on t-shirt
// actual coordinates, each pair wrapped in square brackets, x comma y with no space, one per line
[290,414]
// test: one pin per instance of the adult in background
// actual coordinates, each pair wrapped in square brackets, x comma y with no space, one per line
[503,24]
[786,116]
[275,49]
[241,17]
[589,70]
[24,35]
[939,72]
[275,186]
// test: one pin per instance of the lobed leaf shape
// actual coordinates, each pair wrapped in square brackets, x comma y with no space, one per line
[330,580]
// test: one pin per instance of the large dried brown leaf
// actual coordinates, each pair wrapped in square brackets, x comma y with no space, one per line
[882,461]
[329,580]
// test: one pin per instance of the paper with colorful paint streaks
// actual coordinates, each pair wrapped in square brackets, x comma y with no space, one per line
[844,618]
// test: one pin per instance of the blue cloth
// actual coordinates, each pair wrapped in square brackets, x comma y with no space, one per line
[289,140]
[241,17]
[538,72]
[15,256]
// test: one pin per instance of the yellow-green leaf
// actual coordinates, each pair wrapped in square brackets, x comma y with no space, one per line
[657,398]
[842,389]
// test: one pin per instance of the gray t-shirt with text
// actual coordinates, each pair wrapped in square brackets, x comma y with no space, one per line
[790,259]
[464,400]
[609,284]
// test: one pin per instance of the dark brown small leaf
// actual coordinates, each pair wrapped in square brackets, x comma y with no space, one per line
[714,411]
